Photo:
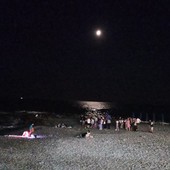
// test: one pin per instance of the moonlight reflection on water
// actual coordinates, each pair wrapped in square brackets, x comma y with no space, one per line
[95,105]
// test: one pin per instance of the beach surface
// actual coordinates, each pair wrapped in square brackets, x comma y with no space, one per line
[108,149]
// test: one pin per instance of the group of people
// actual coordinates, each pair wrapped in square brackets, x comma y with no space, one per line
[95,120]
[104,121]
[100,121]
[130,124]
[127,124]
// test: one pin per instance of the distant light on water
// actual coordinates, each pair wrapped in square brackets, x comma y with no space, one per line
[93,105]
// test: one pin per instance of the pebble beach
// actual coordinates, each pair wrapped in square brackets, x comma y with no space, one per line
[108,149]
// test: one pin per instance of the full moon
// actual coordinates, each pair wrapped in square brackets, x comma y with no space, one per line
[98,33]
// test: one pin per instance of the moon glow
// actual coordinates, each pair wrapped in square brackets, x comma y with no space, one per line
[98,33]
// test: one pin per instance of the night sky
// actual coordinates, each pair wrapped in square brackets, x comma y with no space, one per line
[49,50]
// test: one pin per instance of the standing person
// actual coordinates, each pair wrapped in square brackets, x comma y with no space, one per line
[128,124]
[151,126]
[88,122]
[135,126]
[117,125]
[92,121]
[121,123]
[104,123]
[95,121]
[101,123]
[108,121]
[81,120]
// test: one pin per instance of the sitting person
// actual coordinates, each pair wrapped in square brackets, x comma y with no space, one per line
[31,129]
[25,134]
[30,132]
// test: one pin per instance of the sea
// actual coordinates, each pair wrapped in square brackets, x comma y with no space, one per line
[159,113]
